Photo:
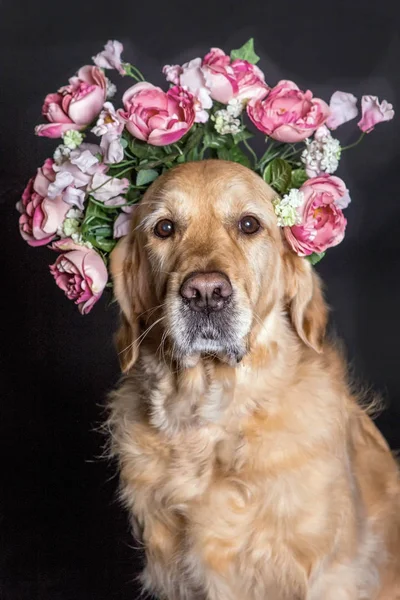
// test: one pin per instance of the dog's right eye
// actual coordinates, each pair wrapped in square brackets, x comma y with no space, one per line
[164,228]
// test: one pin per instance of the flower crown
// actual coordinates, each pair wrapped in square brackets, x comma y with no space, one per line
[80,201]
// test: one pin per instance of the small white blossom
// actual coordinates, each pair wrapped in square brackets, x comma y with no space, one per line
[111,88]
[322,154]
[286,208]
[61,154]
[72,139]
[78,239]
[225,123]
[235,107]
[71,223]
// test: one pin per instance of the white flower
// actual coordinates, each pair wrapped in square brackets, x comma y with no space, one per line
[61,154]
[322,154]
[108,121]
[72,139]
[111,88]
[234,107]
[224,122]
[84,160]
[286,208]
[71,223]
[78,239]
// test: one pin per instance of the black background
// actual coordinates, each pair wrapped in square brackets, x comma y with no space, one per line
[63,535]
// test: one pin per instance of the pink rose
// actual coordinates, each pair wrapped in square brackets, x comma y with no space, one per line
[343,108]
[156,117]
[374,112]
[322,221]
[110,57]
[74,106]
[80,273]
[228,79]
[287,114]
[41,216]
[191,77]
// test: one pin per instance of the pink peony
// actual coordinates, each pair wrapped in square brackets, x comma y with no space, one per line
[219,76]
[156,117]
[110,57]
[190,76]
[343,108]
[322,221]
[74,106]
[80,273]
[287,114]
[228,79]
[250,81]
[374,112]
[41,216]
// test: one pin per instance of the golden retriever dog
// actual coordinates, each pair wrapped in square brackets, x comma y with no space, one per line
[250,470]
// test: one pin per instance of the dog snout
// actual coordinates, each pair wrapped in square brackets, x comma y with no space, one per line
[206,292]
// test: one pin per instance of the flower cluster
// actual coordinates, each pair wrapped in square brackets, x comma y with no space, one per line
[81,200]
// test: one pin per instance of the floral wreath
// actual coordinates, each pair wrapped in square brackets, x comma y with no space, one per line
[81,200]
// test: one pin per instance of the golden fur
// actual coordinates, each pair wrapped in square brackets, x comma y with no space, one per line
[252,480]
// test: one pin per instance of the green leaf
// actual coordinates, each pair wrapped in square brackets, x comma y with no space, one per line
[101,243]
[216,140]
[193,139]
[139,149]
[314,258]
[299,176]
[146,176]
[246,52]
[234,154]
[242,135]
[278,174]
[123,142]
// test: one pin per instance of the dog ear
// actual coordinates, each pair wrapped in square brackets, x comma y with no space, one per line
[130,273]
[304,297]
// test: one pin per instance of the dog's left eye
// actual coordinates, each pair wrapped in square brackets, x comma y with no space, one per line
[164,228]
[249,224]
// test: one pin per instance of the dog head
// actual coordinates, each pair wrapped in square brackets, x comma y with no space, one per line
[205,262]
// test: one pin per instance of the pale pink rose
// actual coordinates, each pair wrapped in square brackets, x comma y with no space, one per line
[104,188]
[123,222]
[250,81]
[322,221]
[343,107]
[172,73]
[156,117]
[219,76]
[287,114]
[374,112]
[110,57]
[80,273]
[41,216]
[108,121]
[74,106]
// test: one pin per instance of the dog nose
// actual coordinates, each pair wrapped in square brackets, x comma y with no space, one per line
[206,291]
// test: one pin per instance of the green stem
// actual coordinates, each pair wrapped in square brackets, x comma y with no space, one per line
[250,149]
[133,72]
[355,143]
